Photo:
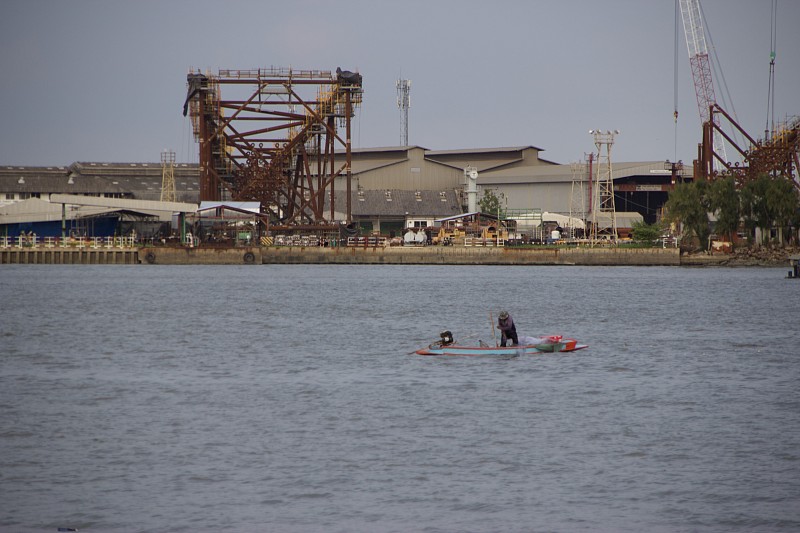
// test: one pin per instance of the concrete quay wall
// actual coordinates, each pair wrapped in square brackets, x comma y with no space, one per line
[200,256]
[435,255]
[68,256]
[429,255]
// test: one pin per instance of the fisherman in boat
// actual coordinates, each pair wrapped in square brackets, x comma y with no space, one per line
[509,331]
[446,338]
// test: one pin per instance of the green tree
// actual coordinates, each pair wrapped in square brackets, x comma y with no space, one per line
[687,204]
[644,233]
[755,208]
[723,201]
[490,204]
[784,203]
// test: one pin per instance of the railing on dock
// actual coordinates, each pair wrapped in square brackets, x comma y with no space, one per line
[366,242]
[475,241]
[32,249]
[307,241]
[96,243]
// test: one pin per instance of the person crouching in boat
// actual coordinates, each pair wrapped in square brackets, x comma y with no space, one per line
[509,331]
[445,339]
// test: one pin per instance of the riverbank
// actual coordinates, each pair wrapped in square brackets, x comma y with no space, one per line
[454,255]
[390,255]
[425,255]
[764,256]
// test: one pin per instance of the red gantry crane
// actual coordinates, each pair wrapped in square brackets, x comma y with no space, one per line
[694,31]
[778,154]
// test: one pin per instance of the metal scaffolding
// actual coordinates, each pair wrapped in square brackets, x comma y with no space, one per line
[777,155]
[577,202]
[274,138]
[604,213]
[168,176]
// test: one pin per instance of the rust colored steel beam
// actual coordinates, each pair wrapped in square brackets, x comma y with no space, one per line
[275,138]
[777,157]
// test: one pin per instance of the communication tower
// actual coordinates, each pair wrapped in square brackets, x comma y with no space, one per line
[604,214]
[577,203]
[403,103]
[168,176]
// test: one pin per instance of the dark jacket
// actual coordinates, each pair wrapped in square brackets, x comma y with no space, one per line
[506,325]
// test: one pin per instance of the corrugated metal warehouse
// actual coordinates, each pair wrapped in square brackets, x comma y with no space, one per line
[517,175]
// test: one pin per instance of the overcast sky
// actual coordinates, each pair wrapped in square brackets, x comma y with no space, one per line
[105,80]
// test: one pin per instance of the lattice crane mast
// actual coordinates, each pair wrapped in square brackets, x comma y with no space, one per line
[694,31]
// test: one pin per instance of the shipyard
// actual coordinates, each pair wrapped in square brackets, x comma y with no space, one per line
[278,179]
[371,267]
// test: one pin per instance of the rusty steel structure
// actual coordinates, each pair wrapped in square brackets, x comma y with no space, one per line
[273,136]
[778,155]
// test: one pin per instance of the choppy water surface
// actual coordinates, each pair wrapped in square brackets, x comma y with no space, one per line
[284,398]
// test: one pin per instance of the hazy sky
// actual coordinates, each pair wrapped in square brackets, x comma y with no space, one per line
[105,80]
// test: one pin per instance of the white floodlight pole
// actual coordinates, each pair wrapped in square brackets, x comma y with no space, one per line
[604,201]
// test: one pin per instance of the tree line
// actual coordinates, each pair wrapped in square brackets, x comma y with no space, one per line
[766,203]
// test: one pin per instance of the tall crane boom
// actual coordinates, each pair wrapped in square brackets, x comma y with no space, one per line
[701,66]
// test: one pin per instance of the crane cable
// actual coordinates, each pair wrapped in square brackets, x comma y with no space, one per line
[675,77]
[770,126]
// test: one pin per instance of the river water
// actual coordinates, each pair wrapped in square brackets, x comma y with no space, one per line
[285,398]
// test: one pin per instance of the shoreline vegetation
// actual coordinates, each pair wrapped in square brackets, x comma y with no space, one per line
[764,256]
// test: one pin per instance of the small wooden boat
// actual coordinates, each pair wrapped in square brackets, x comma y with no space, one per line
[548,344]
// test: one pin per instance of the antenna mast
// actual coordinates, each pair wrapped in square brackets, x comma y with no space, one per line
[403,103]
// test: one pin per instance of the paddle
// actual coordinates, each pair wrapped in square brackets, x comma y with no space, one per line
[491,324]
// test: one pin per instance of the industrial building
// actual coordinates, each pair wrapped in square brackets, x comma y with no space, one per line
[393,187]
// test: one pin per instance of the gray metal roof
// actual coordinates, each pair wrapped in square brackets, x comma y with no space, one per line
[253,207]
[383,149]
[148,206]
[564,173]
[143,180]
[466,151]
[140,180]
[53,180]
[37,210]
[398,203]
